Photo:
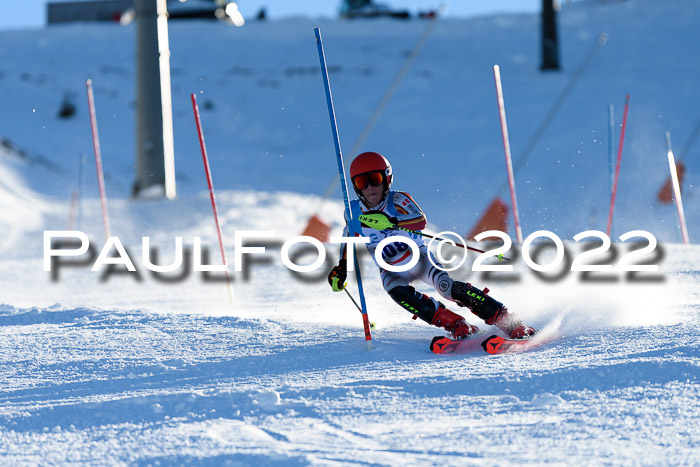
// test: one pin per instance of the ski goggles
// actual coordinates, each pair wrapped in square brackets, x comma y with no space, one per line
[364,180]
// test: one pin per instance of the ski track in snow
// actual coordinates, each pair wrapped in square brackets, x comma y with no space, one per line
[131,369]
[272,384]
[128,386]
[124,370]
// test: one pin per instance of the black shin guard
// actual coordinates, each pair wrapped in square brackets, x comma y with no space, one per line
[415,302]
[476,300]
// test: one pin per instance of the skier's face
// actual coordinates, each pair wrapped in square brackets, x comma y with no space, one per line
[373,194]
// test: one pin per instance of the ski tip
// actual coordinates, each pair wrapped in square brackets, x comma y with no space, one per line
[439,344]
[493,344]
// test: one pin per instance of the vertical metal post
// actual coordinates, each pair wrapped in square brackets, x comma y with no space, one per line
[550,40]
[155,164]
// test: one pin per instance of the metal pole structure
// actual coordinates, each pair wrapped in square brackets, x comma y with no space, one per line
[343,182]
[550,40]
[155,159]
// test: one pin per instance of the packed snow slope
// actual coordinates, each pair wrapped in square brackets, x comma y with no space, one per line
[116,367]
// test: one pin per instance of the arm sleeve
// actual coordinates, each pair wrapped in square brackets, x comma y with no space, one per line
[411,216]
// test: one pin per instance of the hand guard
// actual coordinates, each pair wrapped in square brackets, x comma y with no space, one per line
[338,275]
[377,220]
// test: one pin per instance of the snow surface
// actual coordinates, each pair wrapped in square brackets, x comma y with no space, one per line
[117,368]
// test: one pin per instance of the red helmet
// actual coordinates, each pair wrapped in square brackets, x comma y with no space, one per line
[371,162]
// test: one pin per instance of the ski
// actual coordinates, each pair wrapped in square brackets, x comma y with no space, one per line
[445,345]
[493,345]
[497,345]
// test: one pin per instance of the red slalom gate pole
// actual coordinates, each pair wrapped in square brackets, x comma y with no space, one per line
[617,165]
[676,189]
[205,158]
[98,157]
[506,147]
[73,210]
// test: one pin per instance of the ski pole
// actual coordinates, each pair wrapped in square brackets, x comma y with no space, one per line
[380,222]
[353,299]
[500,257]
[371,324]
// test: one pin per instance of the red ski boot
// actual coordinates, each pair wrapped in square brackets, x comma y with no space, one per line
[453,323]
[511,324]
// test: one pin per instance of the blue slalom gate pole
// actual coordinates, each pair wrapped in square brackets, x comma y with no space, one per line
[343,183]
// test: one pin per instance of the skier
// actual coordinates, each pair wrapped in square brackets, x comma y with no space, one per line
[371,177]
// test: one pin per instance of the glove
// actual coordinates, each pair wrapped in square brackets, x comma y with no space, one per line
[378,220]
[337,276]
